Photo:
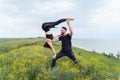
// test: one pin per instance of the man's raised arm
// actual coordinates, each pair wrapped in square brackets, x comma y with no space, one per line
[69,26]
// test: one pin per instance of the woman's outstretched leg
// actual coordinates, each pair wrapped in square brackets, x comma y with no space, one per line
[47,25]
[60,21]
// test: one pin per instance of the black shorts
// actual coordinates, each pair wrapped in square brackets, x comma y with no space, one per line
[50,36]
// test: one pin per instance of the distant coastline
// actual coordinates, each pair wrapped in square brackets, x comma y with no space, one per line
[98,45]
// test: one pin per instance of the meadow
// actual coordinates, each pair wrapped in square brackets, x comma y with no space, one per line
[27,59]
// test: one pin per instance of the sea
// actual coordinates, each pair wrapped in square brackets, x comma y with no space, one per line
[106,46]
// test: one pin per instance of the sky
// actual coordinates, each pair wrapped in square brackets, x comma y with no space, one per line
[94,19]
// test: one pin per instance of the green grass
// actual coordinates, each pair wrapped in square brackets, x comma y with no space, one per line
[7,44]
[32,62]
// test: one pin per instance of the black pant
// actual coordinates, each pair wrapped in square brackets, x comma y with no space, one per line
[61,54]
[47,25]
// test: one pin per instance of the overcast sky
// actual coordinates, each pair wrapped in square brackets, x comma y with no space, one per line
[93,18]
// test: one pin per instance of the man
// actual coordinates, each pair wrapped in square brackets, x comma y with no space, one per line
[66,44]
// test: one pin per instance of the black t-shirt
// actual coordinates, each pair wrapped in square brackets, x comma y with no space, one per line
[66,43]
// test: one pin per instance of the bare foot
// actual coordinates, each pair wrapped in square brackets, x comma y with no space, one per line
[71,19]
[54,56]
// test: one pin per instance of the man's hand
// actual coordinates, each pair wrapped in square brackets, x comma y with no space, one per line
[68,21]
[70,28]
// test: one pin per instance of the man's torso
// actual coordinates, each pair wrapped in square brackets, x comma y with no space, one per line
[66,43]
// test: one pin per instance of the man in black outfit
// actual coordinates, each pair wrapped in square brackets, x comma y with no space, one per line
[66,44]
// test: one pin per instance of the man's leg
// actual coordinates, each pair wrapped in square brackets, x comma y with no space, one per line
[71,56]
[59,55]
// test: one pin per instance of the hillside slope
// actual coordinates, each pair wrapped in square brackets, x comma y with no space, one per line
[33,63]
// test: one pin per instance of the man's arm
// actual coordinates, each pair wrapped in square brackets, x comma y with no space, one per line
[69,26]
[56,39]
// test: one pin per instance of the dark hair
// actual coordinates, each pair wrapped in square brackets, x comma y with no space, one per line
[64,28]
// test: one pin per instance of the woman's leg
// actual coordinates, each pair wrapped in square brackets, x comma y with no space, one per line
[46,26]
[60,21]
[46,45]
[51,47]
[49,25]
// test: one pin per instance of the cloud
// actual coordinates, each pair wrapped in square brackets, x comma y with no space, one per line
[8,21]
[93,19]
[105,20]
[106,15]
[52,7]
[24,18]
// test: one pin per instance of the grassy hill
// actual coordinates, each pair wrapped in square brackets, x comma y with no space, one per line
[27,59]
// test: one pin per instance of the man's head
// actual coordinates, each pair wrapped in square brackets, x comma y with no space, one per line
[63,30]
